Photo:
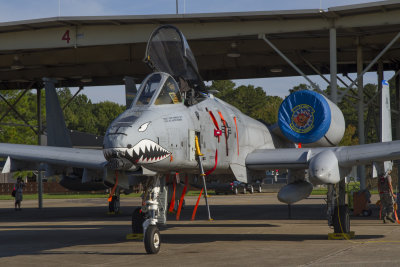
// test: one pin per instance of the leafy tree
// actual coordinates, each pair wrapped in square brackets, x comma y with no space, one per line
[253,101]
[349,137]
[13,129]
[80,115]
[105,113]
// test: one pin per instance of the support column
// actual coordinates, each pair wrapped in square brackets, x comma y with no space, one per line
[334,97]
[39,121]
[360,112]
[379,99]
[333,64]
[382,134]
[397,84]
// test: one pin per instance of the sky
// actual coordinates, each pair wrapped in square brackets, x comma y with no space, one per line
[14,10]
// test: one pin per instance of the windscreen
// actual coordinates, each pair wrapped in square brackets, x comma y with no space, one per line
[148,89]
[168,51]
[169,93]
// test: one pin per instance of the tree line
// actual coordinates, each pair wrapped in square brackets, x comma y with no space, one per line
[80,115]
[84,116]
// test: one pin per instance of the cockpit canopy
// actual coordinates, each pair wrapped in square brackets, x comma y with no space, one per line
[168,51]
[159,89]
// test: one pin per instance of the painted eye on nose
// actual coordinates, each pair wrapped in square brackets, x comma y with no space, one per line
[143,127]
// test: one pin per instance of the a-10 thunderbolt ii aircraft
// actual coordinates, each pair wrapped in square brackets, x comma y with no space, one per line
[157,135]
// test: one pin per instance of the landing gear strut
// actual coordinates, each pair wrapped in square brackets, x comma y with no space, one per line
[338,215]
[153,212]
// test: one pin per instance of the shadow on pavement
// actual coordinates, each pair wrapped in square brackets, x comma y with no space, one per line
[64,227]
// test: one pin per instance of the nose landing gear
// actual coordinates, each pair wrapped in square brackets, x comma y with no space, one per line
[152,213]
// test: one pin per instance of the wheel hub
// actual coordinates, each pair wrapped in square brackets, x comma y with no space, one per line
[156,240]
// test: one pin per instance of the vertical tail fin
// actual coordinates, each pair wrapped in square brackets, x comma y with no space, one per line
[130,90]
[57,132]
[385,127]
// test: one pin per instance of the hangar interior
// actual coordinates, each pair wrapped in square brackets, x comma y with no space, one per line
[91,51]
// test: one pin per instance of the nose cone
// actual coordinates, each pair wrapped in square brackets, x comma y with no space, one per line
[134,140]
[120,128]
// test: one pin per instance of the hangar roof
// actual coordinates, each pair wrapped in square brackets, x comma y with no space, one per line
[102,50]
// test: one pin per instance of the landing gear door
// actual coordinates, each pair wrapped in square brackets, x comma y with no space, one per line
[192,146]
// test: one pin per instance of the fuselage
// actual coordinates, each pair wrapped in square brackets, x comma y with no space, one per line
[161,137]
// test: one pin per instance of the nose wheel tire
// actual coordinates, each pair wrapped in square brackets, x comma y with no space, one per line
[152,241]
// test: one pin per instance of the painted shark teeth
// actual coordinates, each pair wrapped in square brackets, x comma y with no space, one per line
[147,151]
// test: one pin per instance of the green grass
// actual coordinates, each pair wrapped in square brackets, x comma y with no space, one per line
[319,191]
[66,196]
[83,195]
[352,186]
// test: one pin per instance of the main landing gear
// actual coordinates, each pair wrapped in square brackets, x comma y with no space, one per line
[338,215]
[114,205]
[138,218]
[152,213]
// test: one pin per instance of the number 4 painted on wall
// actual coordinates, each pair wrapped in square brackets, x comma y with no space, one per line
[66,37]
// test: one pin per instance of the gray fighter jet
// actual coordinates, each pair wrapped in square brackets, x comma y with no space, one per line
[157,135]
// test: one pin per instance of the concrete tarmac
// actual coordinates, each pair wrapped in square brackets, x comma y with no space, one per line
[251,230]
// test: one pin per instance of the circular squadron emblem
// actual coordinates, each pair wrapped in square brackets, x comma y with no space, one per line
[302,120]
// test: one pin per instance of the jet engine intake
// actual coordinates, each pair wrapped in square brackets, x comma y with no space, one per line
[311,119]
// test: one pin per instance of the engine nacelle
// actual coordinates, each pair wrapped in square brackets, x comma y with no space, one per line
[310,118]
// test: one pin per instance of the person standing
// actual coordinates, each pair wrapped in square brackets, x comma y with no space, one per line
[19,185]
[387,196]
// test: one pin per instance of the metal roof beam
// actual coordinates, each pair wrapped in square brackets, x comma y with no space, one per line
[12,106]
[315,86]
[371,64]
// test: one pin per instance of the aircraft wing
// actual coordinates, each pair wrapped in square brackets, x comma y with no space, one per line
[300,158]
[59,156]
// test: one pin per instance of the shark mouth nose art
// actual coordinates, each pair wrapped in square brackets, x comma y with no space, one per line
[146,151]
